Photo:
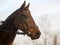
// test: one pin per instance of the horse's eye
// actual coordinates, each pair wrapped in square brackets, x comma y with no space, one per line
[23,16]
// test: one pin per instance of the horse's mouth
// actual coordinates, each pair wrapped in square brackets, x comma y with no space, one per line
[34,38]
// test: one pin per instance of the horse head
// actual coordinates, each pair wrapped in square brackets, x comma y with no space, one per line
[25,22]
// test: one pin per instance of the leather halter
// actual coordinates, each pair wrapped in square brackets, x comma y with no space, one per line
[13,32]
[22,33]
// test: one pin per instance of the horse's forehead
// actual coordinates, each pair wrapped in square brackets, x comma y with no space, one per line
[26,11]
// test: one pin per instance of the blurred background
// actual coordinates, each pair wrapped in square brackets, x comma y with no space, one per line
[46,14]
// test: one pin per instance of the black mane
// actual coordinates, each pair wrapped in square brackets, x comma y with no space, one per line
[8,20]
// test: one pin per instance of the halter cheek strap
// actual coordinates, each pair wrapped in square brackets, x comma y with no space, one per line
[12,32]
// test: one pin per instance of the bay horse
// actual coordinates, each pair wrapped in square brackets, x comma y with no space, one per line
[20,19]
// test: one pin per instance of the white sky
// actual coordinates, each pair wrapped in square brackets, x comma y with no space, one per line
[37,7]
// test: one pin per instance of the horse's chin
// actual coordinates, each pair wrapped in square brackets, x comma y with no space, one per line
[35,38]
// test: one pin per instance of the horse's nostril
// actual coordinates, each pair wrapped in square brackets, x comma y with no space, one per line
[39,33]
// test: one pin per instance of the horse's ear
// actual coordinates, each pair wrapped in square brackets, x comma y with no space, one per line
[23,5]
[27,7]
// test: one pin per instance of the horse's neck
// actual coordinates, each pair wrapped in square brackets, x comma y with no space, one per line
[8,26]
[7,37]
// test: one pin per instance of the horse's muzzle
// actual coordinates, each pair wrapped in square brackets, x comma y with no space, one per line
[36,37]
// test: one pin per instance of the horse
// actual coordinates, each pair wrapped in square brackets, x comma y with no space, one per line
[20,19]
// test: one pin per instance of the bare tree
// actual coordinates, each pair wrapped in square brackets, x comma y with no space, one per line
[55,39]
[43,22]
